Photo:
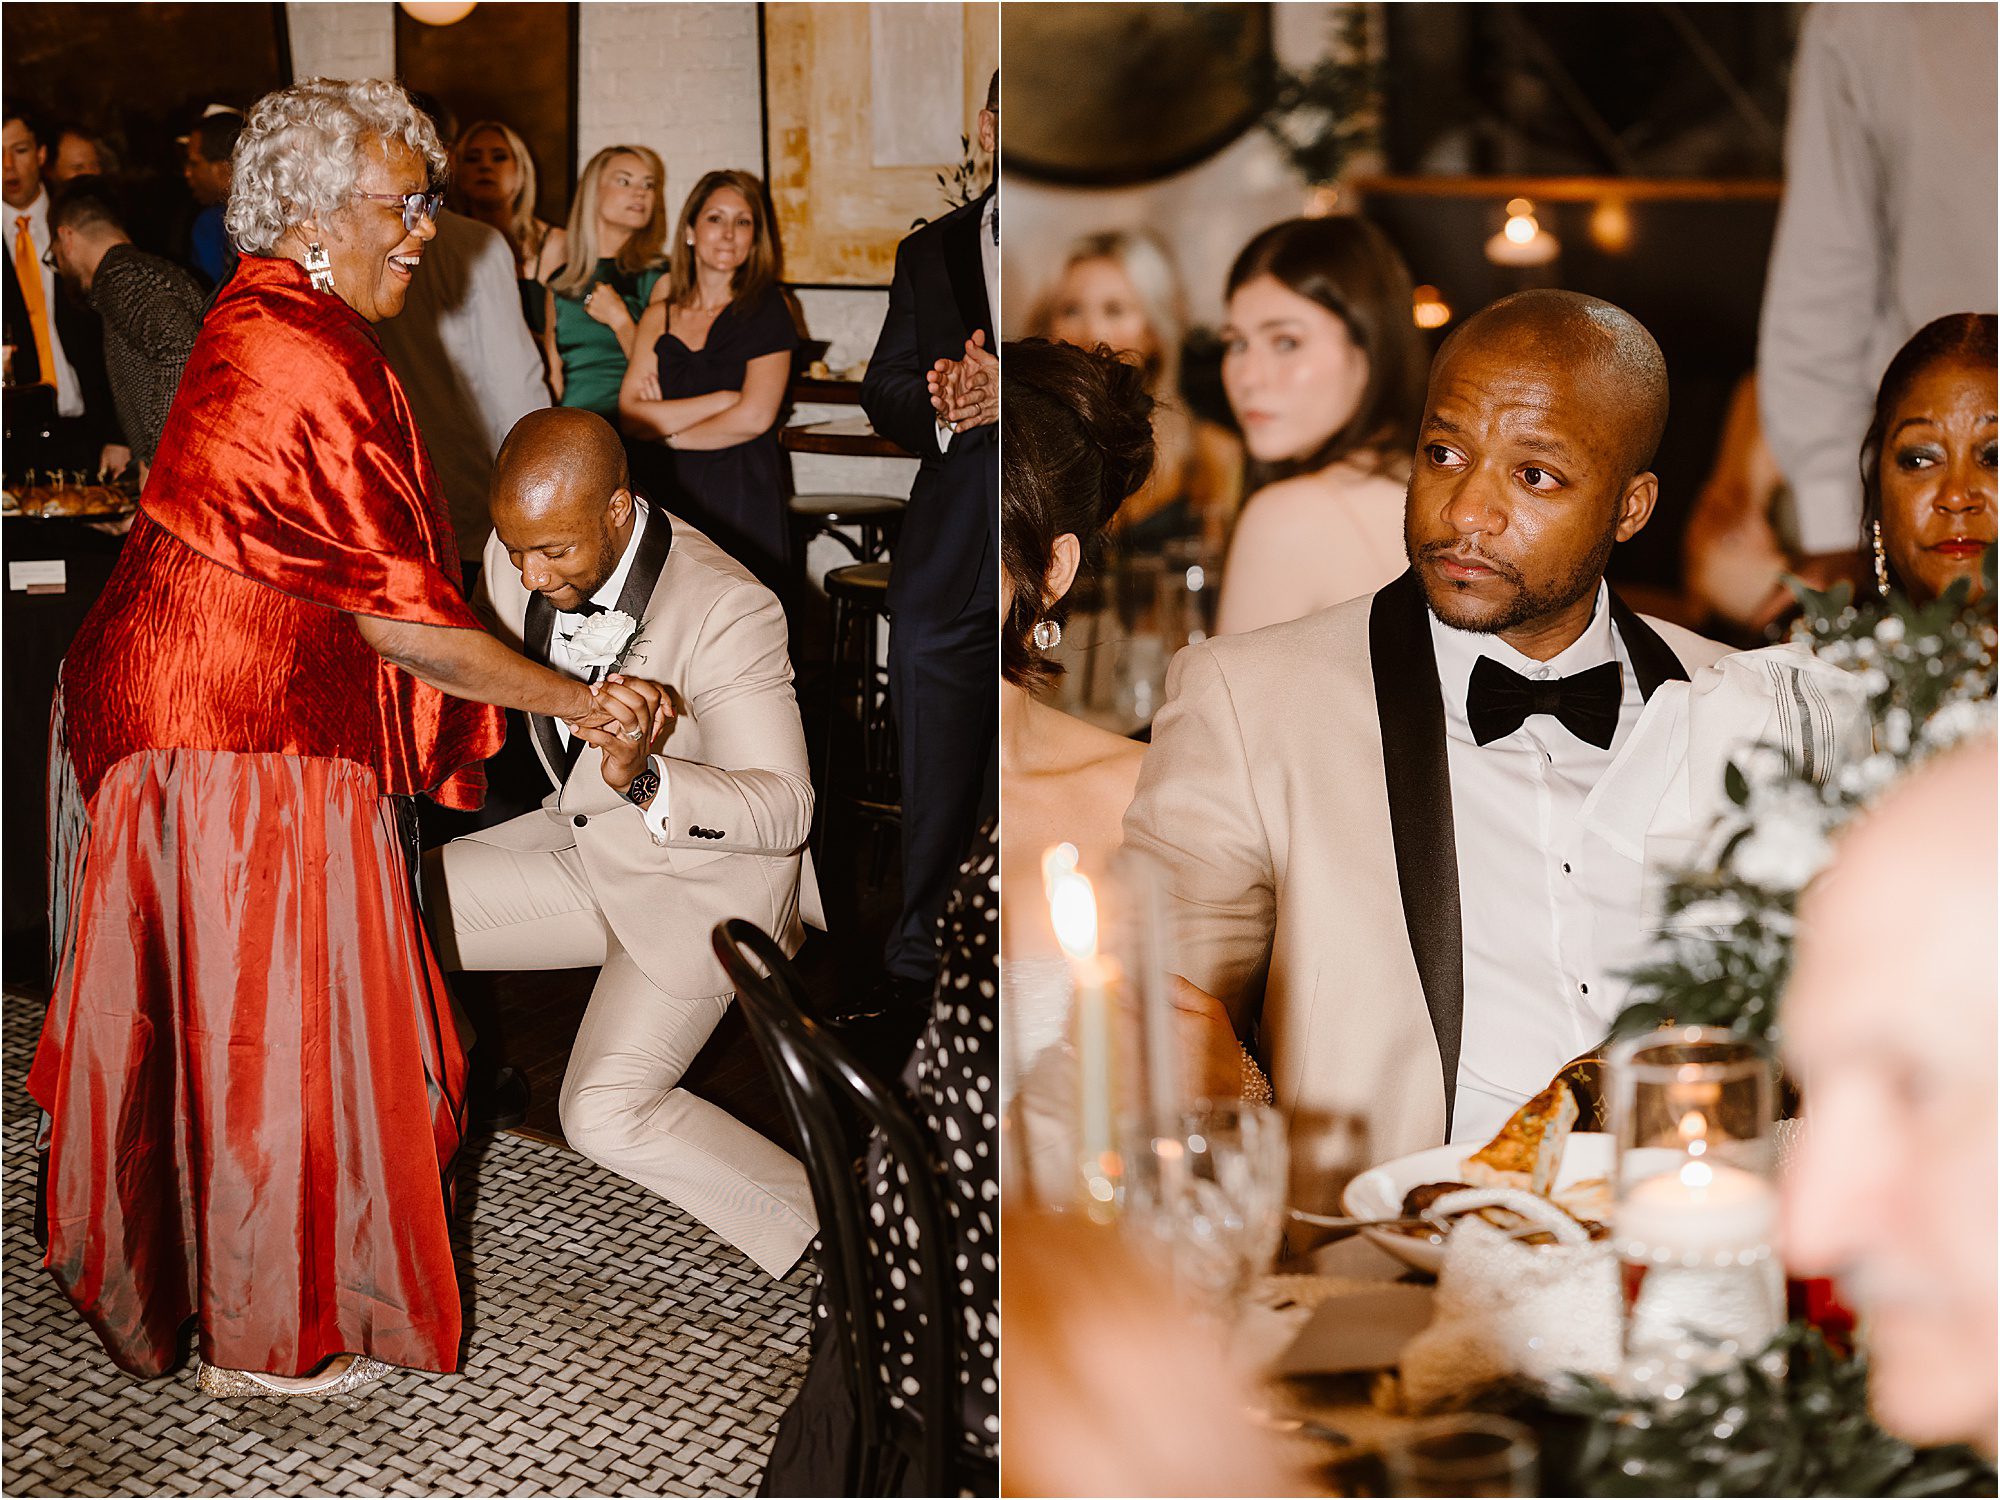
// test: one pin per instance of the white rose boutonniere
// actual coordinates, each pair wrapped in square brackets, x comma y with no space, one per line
[601,641]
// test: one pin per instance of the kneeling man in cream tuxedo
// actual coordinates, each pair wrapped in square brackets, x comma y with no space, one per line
[642,847]
[1382,825]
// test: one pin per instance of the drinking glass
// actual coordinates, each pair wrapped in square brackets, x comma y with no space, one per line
[1469,1453]
[1207,1184]
[1696,1215]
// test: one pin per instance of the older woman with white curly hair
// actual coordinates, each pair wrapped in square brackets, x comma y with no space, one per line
[253,1087]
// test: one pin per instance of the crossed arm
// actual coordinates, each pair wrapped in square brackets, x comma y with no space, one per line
[719,419]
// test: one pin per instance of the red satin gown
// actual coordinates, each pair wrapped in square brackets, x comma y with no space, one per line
[254,1083]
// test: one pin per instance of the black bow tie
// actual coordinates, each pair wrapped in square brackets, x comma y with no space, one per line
[568,619]
[1500,700]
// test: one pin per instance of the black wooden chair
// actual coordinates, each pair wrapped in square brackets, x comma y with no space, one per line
[820,1082]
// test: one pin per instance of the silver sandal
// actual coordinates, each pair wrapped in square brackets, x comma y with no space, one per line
[247,1385]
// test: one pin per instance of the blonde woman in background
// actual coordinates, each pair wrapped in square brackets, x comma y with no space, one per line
[1119,289]
[1325,372]
[709,369]
[614,256]
[493,181]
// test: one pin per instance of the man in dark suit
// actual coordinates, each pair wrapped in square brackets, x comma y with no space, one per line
[57,341]
[933,387]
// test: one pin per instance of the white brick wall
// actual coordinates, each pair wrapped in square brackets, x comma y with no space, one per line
[680,78]
[342,40]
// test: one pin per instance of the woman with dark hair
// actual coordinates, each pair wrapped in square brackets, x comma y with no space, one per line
[1076,441]
[1927,480]
[709,371]
[1325,372]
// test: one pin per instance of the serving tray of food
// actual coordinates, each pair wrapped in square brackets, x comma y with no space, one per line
[64,494]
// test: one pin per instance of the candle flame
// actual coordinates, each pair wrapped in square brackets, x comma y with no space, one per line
[1073,912]
[1521,228]
[1697,1174]
[1694,1132]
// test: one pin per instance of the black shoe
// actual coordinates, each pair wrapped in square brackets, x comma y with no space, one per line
[496,1102]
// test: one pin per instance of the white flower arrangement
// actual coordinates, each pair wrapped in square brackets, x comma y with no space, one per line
[603,639]
[1929,675]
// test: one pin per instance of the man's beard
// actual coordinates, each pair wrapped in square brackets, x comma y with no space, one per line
[1529,603]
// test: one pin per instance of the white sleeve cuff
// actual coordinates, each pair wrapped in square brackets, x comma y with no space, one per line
[1829,514]
[943,437]
[656,814]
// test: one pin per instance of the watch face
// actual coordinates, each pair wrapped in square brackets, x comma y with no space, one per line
[643,786]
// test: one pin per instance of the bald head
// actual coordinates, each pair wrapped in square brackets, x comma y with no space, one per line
[1889,1027]
[562,502]
[1588,335]
[558,456]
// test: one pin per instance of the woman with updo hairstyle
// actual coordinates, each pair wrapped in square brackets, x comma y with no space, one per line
[1119,289]
[254,1087]
[1076,440]
[1927,464]
[1325,371]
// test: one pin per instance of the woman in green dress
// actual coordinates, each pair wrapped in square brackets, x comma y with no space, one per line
[616,238]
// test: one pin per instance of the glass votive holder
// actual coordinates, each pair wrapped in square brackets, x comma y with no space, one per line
[1468,1453]
[1696,1204]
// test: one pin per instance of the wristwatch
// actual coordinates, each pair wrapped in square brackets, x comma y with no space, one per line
[645,786]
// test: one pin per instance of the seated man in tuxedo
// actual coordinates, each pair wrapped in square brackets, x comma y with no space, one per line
[1378,823]
[641,848]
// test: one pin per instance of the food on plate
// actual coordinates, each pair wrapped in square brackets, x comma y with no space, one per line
[1527,1153]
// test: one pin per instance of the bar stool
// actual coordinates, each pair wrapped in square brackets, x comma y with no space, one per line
[876,517]
[859,687]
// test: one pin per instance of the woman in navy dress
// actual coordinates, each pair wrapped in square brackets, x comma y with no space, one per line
[709,371]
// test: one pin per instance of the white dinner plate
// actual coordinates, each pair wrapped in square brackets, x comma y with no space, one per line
[1378,1192]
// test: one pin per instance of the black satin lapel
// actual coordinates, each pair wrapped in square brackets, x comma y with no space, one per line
[656,540]
[537,628]
[1653,660]
[968,278]
[1418,776]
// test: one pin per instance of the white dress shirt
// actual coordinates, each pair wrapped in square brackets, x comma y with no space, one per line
[69,391]
[560,660]
[1548,915]
[989,267]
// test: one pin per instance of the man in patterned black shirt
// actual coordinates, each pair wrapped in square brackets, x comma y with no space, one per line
[150,307]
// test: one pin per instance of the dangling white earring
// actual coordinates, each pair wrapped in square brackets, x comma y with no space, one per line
[1881,564]
[1046,635]
[319,267]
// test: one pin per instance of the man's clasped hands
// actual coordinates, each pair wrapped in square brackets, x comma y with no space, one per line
[627,717]
[965,393]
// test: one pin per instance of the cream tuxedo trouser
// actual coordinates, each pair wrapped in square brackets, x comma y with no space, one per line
[621,1102]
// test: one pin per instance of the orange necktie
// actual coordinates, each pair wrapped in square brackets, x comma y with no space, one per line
[28,271]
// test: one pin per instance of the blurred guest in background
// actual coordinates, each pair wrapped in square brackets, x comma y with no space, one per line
[1927,480]
[1325,372]
[933,387]
[1733,556]
[1112,1387]
[1893,1193]
[1892,192]
[614,255]
[466,358]
[710,367]
[79,153]
[1120,290]
[55,338]
[206,166]
[494,181]
[150,307]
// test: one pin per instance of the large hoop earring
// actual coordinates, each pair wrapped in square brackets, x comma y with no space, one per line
[1881,564]
[1047,635]
[319,267]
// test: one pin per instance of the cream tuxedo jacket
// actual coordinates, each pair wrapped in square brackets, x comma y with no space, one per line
[739,793]
[1297,799]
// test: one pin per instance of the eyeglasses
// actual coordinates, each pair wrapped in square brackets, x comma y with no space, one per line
[416,206]
[49,258]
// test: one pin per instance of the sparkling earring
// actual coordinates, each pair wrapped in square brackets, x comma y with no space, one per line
[1881,564]
[318,267]
[1047,635]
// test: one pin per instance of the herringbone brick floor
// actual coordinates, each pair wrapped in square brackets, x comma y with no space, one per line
[615,1347]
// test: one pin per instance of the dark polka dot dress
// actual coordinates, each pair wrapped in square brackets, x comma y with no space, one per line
[953,1084]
